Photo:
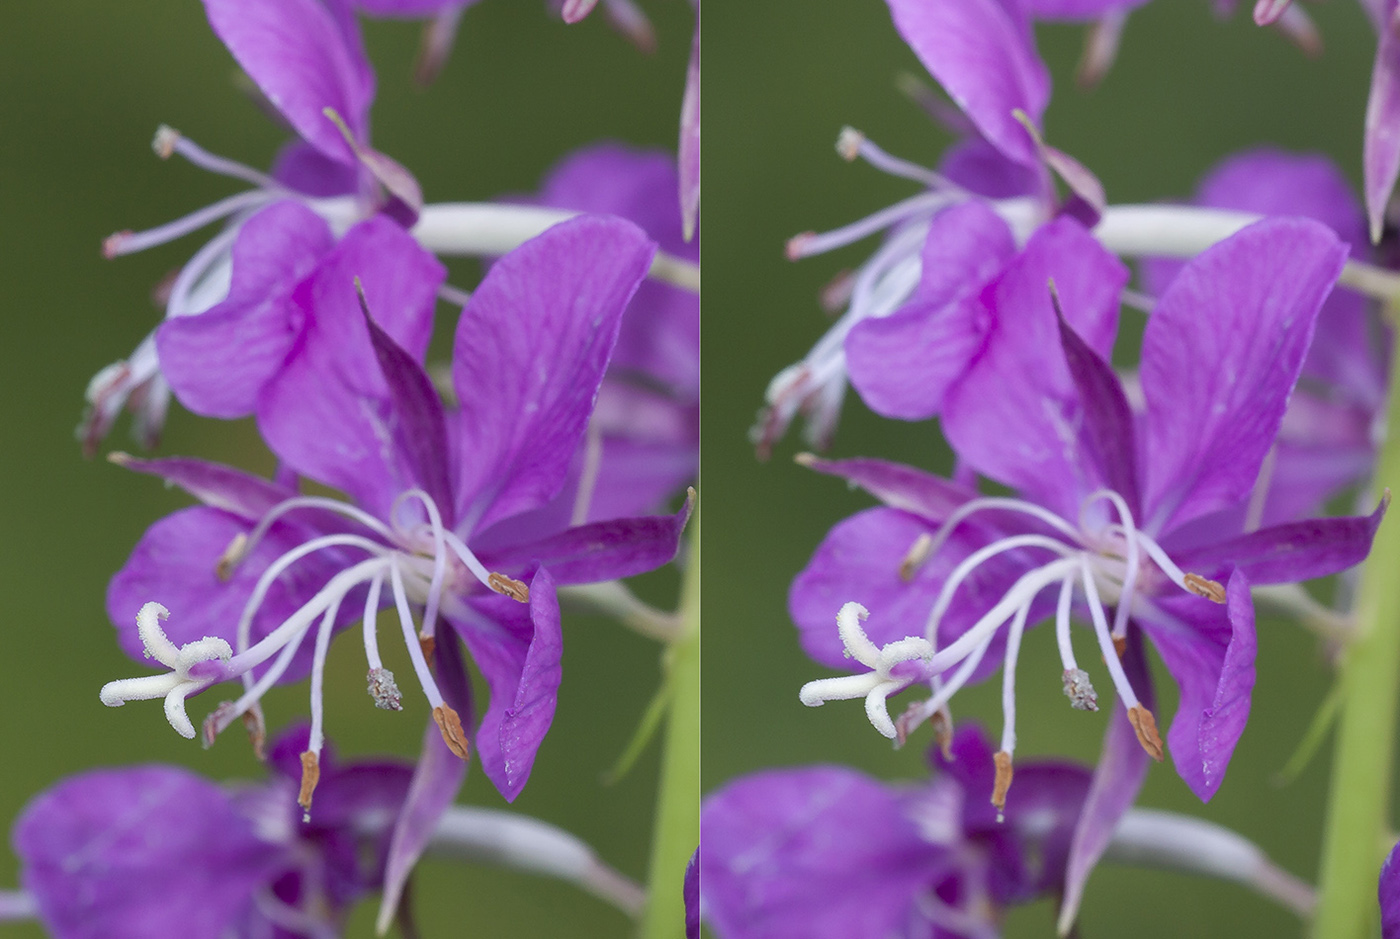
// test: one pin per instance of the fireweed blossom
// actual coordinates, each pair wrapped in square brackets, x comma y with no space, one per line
[307,60]
[983,55]
[825,851]
[433,499]
[158,850]
[941,570]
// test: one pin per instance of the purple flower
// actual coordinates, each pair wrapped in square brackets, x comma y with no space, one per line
[825,851]
[1388,892]
[1327,441]
[1115,509]
[156,850]
[436,496]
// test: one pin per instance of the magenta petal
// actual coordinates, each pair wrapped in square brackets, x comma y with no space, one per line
[814,853]
[529,355]
[1107,440]
[903,364]
[1118,777]
[1381,156]
[216,485]
[1388,893]
[984,55]
[139,852]
[600,551]
[1078,10]
[1008,416]
[1289,553]
[1220,356]
[899,486]
[218,361]
[1210,651]
[175,563]
[437,778]
[518,651]
[302,167]
[298,55]
[689,146]
[327,411]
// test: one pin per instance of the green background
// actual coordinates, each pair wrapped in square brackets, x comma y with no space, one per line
[84,86]
[781,79]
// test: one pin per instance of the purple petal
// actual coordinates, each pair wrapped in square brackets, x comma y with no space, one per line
[408,9]
[302,167]
[296,52]
[1106,436]
[1119,776]
[529,355]
[860,560]
[175,564]
[518,652]
[690,890]
[1289,553]
[689,146]
[1008,417]
[903,364]
[976,165]
[812,853]
[329,410]
[1209,650]
[899,486]
[985,57]
[1221,354]
[419,428]
[219,361]
[1388,893]
[1381,157]
[138,852]
[601,551]
[216,485]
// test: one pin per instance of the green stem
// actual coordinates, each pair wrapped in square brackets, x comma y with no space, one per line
[677,831]
[1358,811]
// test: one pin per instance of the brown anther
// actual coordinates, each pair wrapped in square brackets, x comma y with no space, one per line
[1146,727]
[428,644]
[257,731]
[1203,587]
[1120,645]
[1002,759]
[232,556]
[512,588]
[942,723]
[451,727]
[310,776]
[915,557]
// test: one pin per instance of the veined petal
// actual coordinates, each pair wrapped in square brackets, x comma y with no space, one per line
[1105,431]
[985,57]
[814,853]
[518,651]
[329,412]
[1209,649]
[529,355]
[215,484]
[299,56]
[300,166]
[137,852]
[1220,356]
[1014,416]
[1121,771]
[597,552]
[903,364]
[899,486]
[218,362]
[1289,553]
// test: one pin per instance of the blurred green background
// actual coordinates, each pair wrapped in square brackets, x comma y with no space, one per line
[85,85]
[781,79]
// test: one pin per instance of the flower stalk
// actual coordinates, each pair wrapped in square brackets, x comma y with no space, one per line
[1358,805]
[677,826]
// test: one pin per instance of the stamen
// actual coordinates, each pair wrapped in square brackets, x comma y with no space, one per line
[233,555]
[808,244]
[497,582]
[973,506]
[974,560]
[588,475]
[1080,692]
[430,609]
[169,141]
[368,624]
[1146,727]
[1008,681]
[310,776]
[1202,587]
[129,242]
[852,144]
[1129,530]
[384,690]
[318,681]
[1110,654]
[1002,784]
[917,554]
[515,589]
[260,530]
[450,726]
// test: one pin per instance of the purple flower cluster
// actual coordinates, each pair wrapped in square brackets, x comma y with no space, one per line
[459,500]
[1150,495]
